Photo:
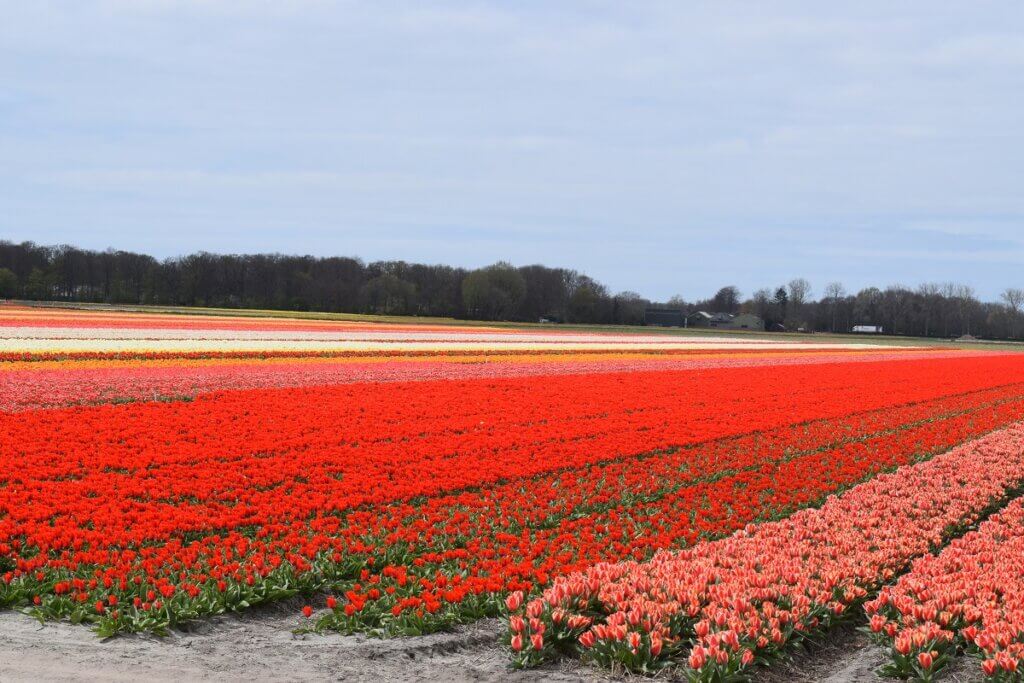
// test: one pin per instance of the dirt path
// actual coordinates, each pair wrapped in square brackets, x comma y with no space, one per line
[257,646]
[848,656]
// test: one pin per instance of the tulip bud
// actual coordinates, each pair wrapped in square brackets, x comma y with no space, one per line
[656,643]
[514,600]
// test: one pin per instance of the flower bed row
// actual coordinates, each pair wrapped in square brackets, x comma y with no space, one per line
[65,319]
[968,597]
[723,605]
[44,384]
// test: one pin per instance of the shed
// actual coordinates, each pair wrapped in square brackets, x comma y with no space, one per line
[663,317]
[699,319]
[747,321]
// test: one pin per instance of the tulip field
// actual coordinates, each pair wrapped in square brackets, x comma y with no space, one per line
[633,499]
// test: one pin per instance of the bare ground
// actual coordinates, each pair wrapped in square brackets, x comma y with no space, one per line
[258,645]
[846,655]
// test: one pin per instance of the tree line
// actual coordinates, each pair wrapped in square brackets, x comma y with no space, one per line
[307,283]
[497,292]
[931,309]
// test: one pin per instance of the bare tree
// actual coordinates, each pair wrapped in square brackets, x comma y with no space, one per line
[628,308]
[834,292]
[964,297]
[799,291]
[1014,299]
[867,305]
[895,305]
[761,303]
[726,300]
[799,294]
[931,299]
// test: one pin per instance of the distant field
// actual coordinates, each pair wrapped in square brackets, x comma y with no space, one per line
[818,337]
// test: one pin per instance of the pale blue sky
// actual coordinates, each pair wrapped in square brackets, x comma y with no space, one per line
[661,147]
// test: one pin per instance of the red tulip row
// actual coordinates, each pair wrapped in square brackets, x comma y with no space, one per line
[721,606]
[969,596]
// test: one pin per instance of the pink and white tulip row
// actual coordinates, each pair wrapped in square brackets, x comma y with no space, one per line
[969,596]
[720,606]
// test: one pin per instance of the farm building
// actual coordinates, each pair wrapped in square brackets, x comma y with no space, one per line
[725,321]
[699,319]
[664,317]
[747,321]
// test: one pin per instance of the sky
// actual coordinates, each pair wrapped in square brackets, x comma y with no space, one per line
[660,147]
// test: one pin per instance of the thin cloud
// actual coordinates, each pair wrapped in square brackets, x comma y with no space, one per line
[621,140]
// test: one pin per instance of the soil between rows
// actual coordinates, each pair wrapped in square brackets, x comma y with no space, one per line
[847,655]
[258,645]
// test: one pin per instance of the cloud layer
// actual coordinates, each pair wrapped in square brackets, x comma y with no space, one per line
[662,147]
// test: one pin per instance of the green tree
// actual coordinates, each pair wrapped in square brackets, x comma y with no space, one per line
[589,302]
[8,284]
[494,292]
[388,294]
[781,303]
[39,285]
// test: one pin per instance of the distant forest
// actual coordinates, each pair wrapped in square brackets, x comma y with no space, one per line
[497,292]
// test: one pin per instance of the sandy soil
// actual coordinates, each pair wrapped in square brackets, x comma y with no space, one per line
[258,646]
[848,656]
